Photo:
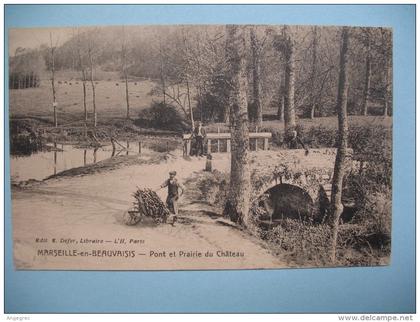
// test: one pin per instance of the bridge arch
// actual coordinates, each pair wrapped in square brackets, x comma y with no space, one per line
[286,200]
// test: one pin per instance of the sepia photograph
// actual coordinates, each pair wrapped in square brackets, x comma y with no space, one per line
[200,147]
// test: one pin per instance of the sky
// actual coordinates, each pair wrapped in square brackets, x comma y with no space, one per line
[34,37]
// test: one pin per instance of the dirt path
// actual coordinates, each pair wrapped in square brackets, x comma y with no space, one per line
[91,207]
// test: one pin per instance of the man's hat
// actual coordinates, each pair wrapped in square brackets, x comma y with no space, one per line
[173,172]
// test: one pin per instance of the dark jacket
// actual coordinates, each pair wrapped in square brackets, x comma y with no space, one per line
[196,132]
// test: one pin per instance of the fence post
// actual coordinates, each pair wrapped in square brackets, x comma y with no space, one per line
[188,146]
[208,146]
[218,140]
[265,143]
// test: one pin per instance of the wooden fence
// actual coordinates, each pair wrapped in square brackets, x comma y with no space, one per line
[221,142]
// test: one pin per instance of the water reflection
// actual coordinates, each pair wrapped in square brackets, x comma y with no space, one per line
[45,163]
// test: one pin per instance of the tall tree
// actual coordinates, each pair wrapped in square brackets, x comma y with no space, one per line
[255,65]
[336,206]
[187,76]
[162,73]
[386,36]
[368,72]
[91,47]
[52,55]
[82,68]
[124,71]
[289,115]
[284,43]
[237,205]
[313,71]
[280,110]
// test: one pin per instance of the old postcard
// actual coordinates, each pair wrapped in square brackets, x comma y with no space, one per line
[200,147]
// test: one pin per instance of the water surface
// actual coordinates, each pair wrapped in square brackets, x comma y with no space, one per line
[42,164]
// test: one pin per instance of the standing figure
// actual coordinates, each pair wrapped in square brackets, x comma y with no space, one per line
[208,163]
[293,141]
[199,136]
[173,193]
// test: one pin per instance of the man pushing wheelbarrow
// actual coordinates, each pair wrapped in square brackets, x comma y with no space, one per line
[173,194]
[147,203]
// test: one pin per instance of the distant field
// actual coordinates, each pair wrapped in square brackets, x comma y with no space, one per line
[110,102]
[330,122]
[110,99]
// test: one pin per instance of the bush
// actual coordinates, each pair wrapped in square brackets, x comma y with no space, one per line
[277,137]
[310,245]
[25,145]
[372,148]
[213,187]
[304,243]
[369,139]
[319,137]
[162,116]
[362,138]
[376,215]
[24,140]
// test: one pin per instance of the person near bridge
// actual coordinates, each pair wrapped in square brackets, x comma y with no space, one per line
[293,141]
[199,135]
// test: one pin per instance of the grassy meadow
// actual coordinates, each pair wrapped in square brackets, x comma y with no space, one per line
[110,98]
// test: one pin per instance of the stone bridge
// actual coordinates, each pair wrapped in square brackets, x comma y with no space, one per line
[296,185]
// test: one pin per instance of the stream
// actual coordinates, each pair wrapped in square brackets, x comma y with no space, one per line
[43,164]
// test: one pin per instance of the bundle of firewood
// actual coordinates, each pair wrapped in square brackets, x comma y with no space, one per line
[147,204]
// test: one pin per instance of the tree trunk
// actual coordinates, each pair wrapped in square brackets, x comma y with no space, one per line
[124,71]
[256,78]
[127,99]
[53,82]
[124,67]
[336,207]
[187,83]
[189,104]
[280,111]
[226,117]
[95,117]
[199,101]
[313,73]
[84,102]
[162,78]
[366,92]
[237,205]
[93,89]
[83,71]
[388,83]
[387,100]
[162,72]
[289,106]
[84,99]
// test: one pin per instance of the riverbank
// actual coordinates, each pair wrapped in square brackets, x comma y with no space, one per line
[74,133]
